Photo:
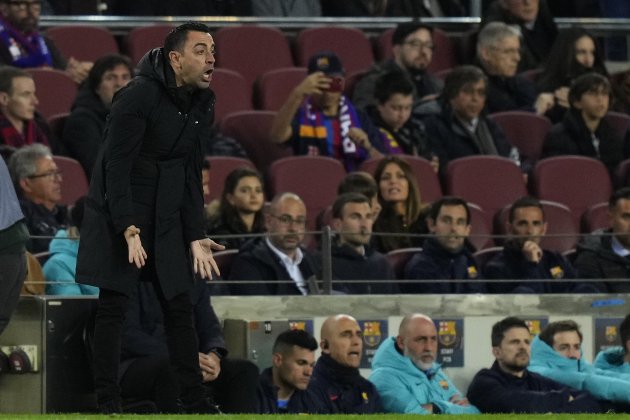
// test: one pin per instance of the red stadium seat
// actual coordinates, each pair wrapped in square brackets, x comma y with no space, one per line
[485,255]
[56,124]
[232,92]
[144,38]
[251,130]
[480,230]
[220,168]
[491,182]
[575,181]
[252,50]
[275,86]
[525,130]
[619,122]
[55,90]
[399,258]
[75,183]
[595,218]
[427,179]
[82,42]
[350,44]
[622,174]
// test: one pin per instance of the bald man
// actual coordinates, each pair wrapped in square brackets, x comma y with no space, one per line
[407,377]
[279,255]
[336,378]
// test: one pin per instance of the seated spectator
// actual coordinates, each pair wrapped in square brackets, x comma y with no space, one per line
[583,130]
[278,257]
[445,255]
[401,208]
[22,45]
[317,119]
[522,257]
[241,208]
[283,386]
[20,124]
[412,49]
[606,255]
[336,378]
[557,354]
[362,183]
[60,269]
[352,256]
[146,373]
[38,183]
[499,53]
[407,377]
[617,358]
[509,387]
[83,129]
[392,116]
[286,8]
[461,129]
[536,25]
[574,53]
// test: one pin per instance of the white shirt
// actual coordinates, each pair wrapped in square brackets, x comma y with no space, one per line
[292,266]
[618,248]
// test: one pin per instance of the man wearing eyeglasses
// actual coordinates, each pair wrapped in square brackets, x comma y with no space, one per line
[21,44]
[277,264]
[38,182]
[412,48]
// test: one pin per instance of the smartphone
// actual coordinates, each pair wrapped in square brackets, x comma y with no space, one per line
[336,84]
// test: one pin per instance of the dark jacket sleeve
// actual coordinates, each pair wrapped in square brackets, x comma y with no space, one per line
[373,133]
[192,206]
[59,61]
[491,394]
[558,143]
[207,323]
[245,267]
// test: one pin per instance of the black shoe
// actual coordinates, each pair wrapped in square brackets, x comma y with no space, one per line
[205,405]
[110,407]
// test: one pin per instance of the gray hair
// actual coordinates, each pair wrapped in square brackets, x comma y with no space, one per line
[23,162]
[495,32]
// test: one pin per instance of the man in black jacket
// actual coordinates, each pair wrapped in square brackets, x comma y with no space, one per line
[607,255]
[278,257]
[283,386]
[83,130]
[508,387]
[144,213]
[352,256]
[145,371]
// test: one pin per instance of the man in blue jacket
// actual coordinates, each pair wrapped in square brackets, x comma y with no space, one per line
[617,359]
[407,377]
[283,386]
[509,387]
[557,354]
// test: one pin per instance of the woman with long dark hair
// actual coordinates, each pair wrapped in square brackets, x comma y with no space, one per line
[240,209]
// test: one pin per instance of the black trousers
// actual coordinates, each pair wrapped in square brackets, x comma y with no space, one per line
[150,378]
[181,340]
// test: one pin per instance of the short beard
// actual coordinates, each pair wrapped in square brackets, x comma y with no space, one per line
[423,366]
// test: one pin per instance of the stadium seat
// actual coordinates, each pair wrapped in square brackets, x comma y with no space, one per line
[56,124]
[575,181]
[485,255]
[480,230]
[314,178]
[619,122]
[399,258]
[75,183]
[350,44]
[232,92]
[55,91]
[82,42]
[491,182]
[562,231]
[427,179]
[444,54]
[220,168]
[252,50]
[622,174]
[275,86]
[141,39]
[251,130]
[596,218]
[525,130]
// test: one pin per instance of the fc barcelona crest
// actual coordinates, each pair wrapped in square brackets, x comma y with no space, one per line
[372,335]
[611,333]
[447,333]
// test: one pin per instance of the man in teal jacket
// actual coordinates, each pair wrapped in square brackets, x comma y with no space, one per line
[557,354]
[407,377]
[617,359]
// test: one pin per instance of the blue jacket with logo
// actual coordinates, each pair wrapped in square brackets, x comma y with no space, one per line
[612,359]
[579,374]
[404,388]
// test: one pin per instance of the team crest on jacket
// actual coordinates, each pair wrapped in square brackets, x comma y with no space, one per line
[472,272]
[372,335]
[556,272]
[447,333]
